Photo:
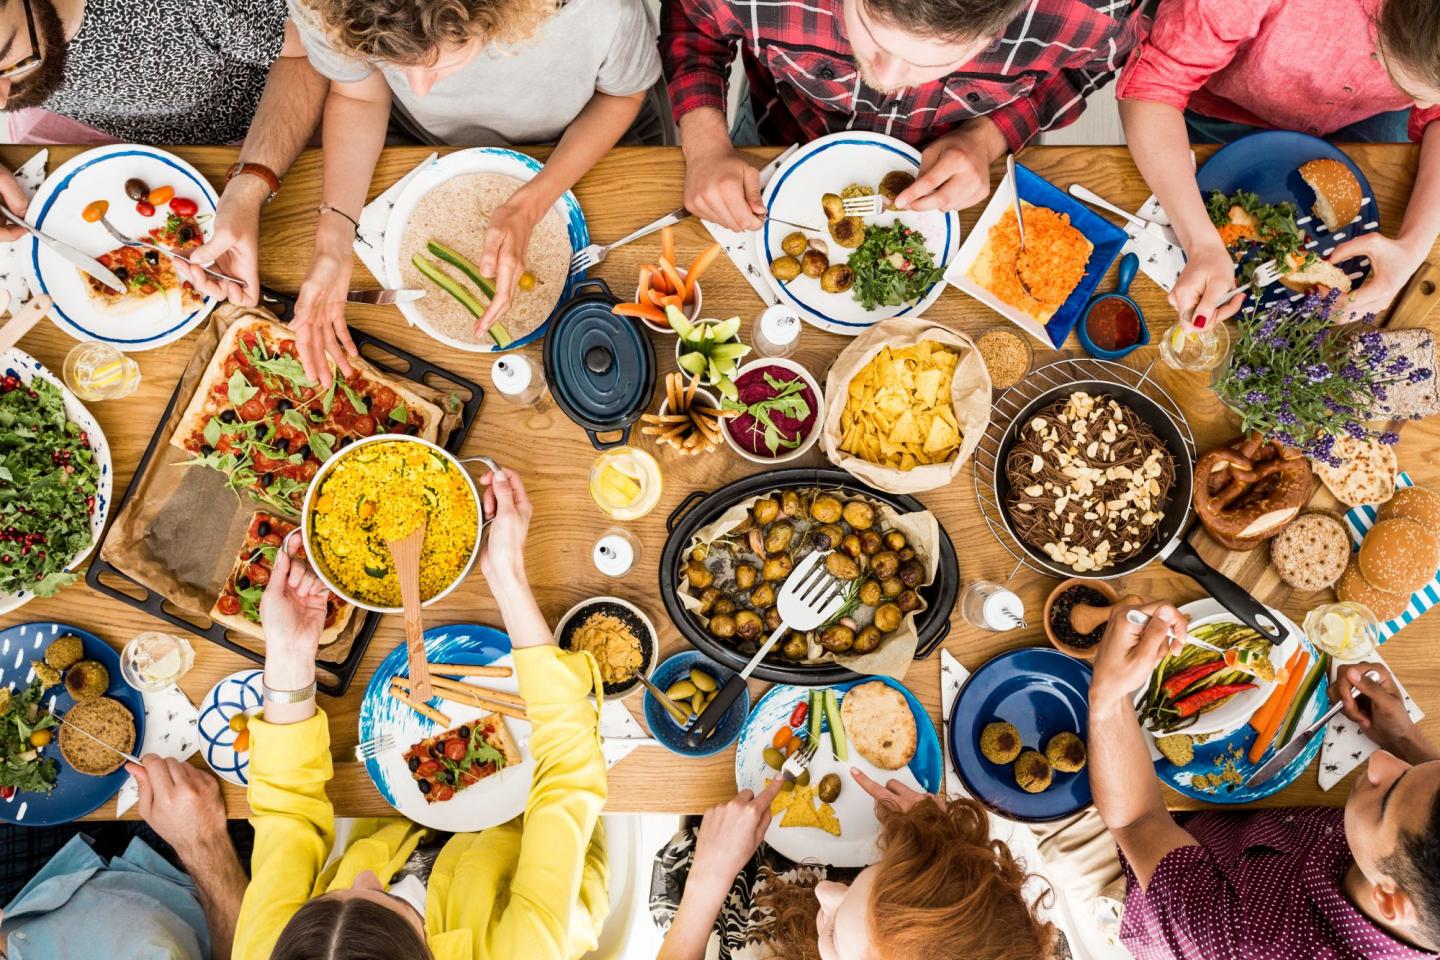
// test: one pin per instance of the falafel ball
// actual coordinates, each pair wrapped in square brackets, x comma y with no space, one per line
[46,674]
[1066,752]
[87,680]
[64,652]
[1032,772]
[1000,742]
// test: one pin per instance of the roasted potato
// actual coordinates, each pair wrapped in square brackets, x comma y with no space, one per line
[772,620]
[894,540]
[826,509]
[814,263]
[795,244]
[887,617]
[745,576]
[828,789]
[894,183]
[699,574]
[790,505]
[884,564]
[834,207]
[707,599]
[850,543]
[746,522]
[867,639]
[911,573]
[828,536]
[699,552]
[908,601]
[837,278]
[779,537]
[859,514]
[849,232]
[870,593]
[837,638]
[778,567]
[870,543]
[765,511]
[906,553]
[842,567]
[722,626]
[794,647]
[892,588]
[785,269]
[763,596]
[724,607]
[748,625]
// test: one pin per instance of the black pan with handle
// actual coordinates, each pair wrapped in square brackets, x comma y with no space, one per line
[1169,543]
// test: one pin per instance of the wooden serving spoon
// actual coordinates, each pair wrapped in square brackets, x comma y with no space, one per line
[23,319]
[406,553]
[1086,617]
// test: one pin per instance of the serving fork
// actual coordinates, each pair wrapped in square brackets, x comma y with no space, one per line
[797,762]
[147,245]
[594,254]
[372,748]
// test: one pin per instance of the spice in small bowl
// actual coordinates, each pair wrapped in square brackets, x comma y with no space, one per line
[1006,354]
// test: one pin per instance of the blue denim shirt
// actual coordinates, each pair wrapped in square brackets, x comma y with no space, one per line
[78,907]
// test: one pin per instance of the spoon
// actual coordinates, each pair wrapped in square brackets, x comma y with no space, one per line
[406,553]
[23,320]
[1019,222]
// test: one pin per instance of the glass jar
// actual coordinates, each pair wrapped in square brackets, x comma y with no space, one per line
[991,606]
[1348,631]
[625,483]
[154,661]
[98,371]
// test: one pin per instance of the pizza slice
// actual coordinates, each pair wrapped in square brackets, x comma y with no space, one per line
[447,763]
[149,274]
[238,605]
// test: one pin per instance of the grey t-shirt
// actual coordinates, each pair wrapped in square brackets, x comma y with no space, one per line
[526,93]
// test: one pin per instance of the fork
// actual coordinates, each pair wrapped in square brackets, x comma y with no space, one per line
[372,748]
[147,245]
[594,254]
[796,763]
[810,596]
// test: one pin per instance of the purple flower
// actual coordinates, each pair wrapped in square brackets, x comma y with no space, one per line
[1398,366]
[1284,438]
[1421,374]
[1352,372]
[1380,392]
[1243,372]
[1287,418]
[1267,329]
[1389,438]
[1256,397]
[1355,430]
[1318,372]
[1262,371]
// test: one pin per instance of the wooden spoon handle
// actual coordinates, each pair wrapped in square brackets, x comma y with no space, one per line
[23,321]
[1085,617]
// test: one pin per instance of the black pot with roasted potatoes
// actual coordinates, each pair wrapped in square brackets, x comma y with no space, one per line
[731,583]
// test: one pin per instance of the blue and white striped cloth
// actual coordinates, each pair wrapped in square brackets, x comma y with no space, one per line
[1360,520]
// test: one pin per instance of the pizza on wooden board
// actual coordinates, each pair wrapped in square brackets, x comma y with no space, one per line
[238,605]
[448,762]
[257,418]
[148,274]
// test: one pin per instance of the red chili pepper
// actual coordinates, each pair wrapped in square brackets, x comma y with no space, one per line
[1198,701]
[1187,678]
[797,716]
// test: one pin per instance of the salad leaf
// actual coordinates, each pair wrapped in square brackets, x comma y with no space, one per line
[23,766]
[892,267]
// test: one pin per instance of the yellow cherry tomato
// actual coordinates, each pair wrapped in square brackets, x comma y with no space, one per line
[527,281]
[94,210]
[781,740]
[161,195]
[239,722]
[242,741]
[41,737]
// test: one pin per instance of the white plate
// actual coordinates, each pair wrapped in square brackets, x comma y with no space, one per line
[100,174]
[241,692]
[828,165]
[1237,711]
[495,160]
[27,368]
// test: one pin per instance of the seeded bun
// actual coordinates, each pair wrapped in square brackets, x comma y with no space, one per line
[1337,193]
[1398,556]
[1414,503]
[106,719]
[1352,587]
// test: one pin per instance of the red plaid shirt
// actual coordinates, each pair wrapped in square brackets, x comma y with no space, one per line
[804,83]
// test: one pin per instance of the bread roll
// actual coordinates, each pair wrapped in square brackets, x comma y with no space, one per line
[1337,193]
[1352,587]
[1398,556]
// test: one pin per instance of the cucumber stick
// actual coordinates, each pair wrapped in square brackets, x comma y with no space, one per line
[459,262]
[837,726]
[1306,692]
[435,273]
[816,716]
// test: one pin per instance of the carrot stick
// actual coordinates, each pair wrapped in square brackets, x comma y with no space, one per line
[1272,725]
[698,266]
[667,244]
[676,300]
[647,275]
[658,280]
[657,298]
[672,275]
[642,310]
[1260,717]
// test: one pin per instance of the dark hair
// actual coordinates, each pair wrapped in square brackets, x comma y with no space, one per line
[1410,33]
[1415,866]
[351,929]
[948,19]
[33,89]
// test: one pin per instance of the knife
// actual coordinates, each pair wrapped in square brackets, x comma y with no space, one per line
[1297,743]
[384,296]
[1157,230]
[88,265]
[113,749]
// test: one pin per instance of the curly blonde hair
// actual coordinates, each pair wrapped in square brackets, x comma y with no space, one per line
[412,32]
[944,891]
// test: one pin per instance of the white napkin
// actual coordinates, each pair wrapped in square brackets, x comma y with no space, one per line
[1345,746]
[620,733]
[171,730]
[14,257]
[952,678]
[738,246]
[370,238]
[1159,260]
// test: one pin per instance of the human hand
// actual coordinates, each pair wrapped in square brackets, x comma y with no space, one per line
[730,833]
[1391,263]
[292,617]
[893,794]
[1129,653]
[1378,709]
[723,187]
[181,803]
[15,201]
[1209,274]
[233,247]
[508,505]
[319,323]
[955,169]
[507,236]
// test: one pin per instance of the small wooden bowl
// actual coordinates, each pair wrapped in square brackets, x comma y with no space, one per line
[1079,653]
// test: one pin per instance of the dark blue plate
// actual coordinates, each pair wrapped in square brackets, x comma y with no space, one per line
[1268,164]
[1041,692]
[75,794]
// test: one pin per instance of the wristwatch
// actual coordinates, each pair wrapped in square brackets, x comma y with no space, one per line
[271,178]
[306,692]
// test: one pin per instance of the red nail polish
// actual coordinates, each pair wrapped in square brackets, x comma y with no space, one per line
[1200,322]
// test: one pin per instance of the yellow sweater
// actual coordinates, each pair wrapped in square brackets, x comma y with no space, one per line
[534,888]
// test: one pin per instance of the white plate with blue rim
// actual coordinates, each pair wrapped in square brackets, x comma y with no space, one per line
[18,363]
[241,693]
[828,165]
[478,160]
[56,208]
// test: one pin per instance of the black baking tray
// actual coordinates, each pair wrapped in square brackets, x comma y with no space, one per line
[404,364]
[701,507]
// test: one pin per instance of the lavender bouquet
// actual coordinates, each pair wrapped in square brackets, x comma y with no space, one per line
[1295,377]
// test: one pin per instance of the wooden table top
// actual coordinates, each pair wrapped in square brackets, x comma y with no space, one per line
[631,187]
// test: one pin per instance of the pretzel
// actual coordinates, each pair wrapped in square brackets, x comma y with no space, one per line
[1249,490]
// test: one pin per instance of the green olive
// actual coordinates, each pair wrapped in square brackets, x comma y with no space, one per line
[774,758]
[702,680]
[829,789]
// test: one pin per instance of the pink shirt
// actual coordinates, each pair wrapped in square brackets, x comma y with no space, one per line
[1307,65]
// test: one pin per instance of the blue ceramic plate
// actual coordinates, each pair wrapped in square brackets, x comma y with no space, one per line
[75,794]
[1041,692]
[240,693]
[1268,164]
[855,847]
[493,800]
[663,726]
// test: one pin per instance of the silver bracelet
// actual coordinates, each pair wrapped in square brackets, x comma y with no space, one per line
[289,696]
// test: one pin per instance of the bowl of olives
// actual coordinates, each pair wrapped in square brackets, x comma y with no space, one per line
[684,678]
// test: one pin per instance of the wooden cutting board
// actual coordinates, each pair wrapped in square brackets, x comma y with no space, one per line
[1252,569]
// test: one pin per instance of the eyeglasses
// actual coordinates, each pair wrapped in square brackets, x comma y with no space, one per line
[25,65]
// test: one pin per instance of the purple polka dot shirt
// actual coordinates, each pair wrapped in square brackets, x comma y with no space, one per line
[1260,886]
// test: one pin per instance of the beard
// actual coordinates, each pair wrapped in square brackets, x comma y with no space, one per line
[869,80]
[34,89]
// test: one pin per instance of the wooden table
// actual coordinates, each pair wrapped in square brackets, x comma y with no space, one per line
[633,186]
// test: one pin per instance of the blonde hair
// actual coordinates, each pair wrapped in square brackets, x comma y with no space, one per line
[412,32]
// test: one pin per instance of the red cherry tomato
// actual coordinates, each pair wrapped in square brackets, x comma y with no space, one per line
[797,716]
[428,769]
[442,792]
[145,208]
[183,206]
[455,750]
[6,793]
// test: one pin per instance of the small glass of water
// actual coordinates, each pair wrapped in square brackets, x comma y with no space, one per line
[98,371]
[1190,349]
[155,661]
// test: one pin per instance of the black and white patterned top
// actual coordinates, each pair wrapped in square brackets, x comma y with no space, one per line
[170,71]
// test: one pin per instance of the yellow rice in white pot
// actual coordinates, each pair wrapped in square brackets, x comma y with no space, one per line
[380,492]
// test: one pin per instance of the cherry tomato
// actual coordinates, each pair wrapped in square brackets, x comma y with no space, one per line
[6,793]
[442,792]
[229,605]
[782,737]
[364,425]
[252,409]
[239,722]
[797,716]
[145,208]
[455,750]
[259,574]
[527,281]
[94,210]
[428,769]
[161,195]
[183,206]
[242,741]
[40,738]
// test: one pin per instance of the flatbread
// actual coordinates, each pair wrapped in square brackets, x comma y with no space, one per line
[456,213]
[1366,474]
[879,724]
[104,718]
